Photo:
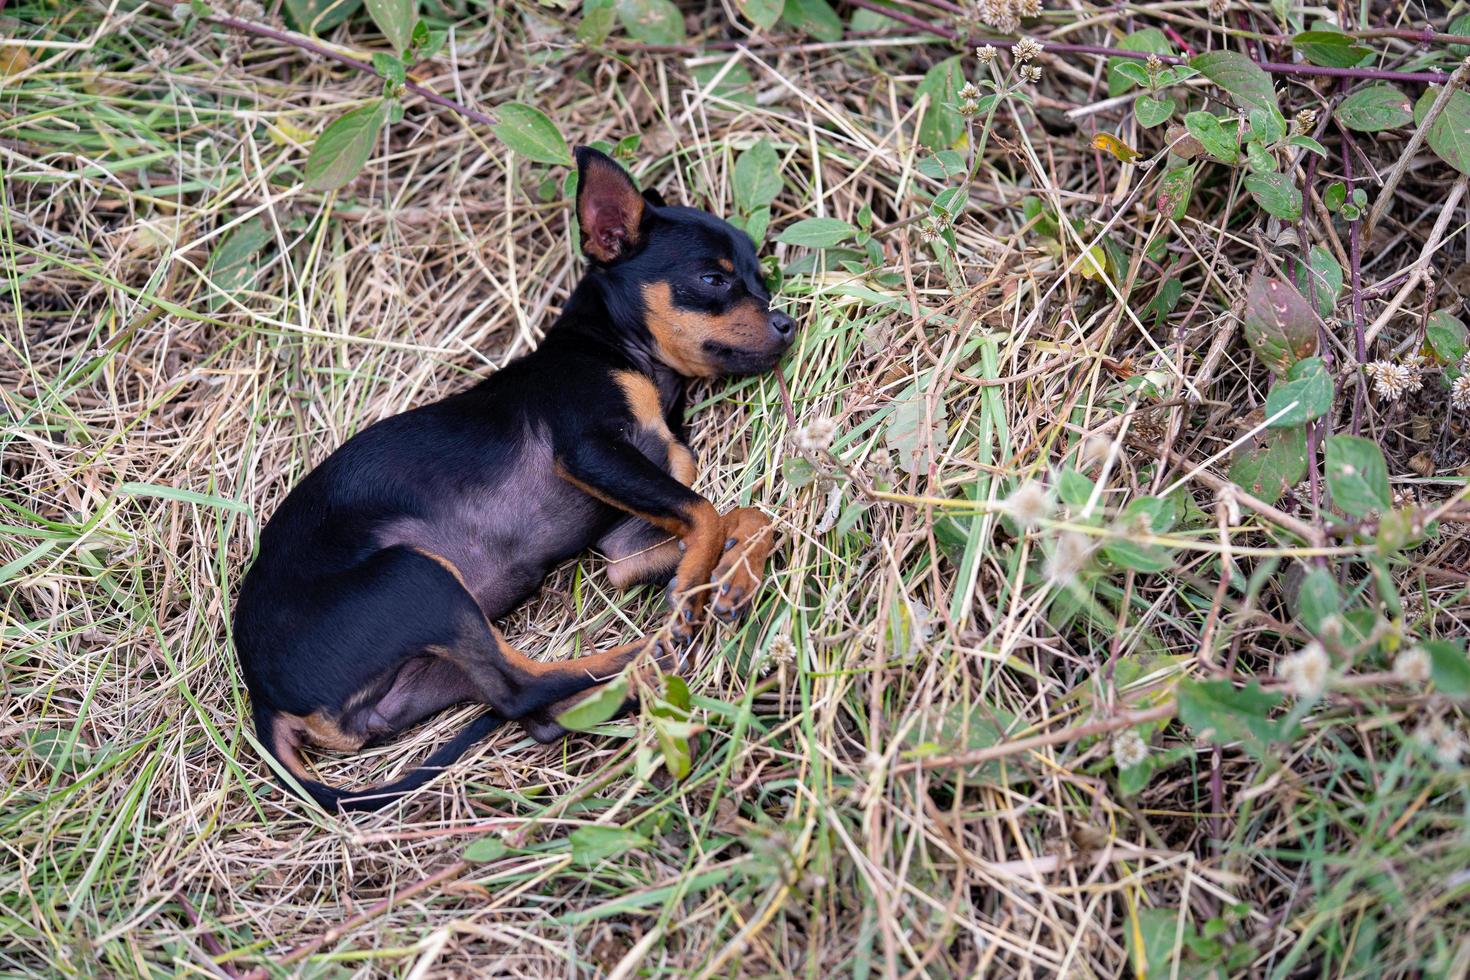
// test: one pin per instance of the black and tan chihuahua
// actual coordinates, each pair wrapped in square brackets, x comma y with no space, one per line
[370,603]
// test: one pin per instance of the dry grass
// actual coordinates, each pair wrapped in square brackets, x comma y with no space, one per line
[157,412]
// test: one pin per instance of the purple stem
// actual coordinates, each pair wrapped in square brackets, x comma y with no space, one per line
[1355,274]
[306,44]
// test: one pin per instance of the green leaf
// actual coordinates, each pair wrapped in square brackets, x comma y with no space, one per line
[817,233]
[1461,26]
[1267,125]
[1449,667]
[343,148]
[1134,72]
[652,21]
[1150,40]
[734,85]
[389,67]
[597,21]
[316,16]
[1357,476]
[1151,112]
[941,126]
[913,435]
[1276,194]
[673,741]
[1218,142]
[757,224]
[1306,394]
[797,471]
[1259,160]
[232,265]
[1335,196]
[757,177]
[1449,136]
[1308,144]
[1447,336]
[1280,325]
[1216,710]
[485,850]
[591,845]
[950,202]
[1320,279]
[1274,462]
[1152,948]
[395,18]
[1240,76]
[1318,600]
[1330,49]
[815,17]
[596,708]
[943,165]
[1375,108]
[1142,516]
[762,13]
[528,131]
[1175,190]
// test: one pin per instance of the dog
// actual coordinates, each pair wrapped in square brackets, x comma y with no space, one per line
[371,600]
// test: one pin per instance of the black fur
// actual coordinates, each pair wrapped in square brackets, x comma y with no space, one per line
[368,605]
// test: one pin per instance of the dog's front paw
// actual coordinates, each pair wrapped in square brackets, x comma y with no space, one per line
[737,576]
[688,606]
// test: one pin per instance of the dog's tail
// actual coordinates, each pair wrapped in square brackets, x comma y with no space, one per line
[284,742]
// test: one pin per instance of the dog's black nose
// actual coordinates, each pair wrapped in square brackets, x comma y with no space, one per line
[783,325]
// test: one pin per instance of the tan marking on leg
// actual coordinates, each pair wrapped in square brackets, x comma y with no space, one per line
[681,463]
[643,399]
[639,567]
[738,574]
[321,730]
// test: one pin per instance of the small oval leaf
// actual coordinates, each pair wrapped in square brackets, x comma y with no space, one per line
[343,148]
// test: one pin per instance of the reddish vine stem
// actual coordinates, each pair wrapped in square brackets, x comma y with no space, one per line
[306,44]
[1059,47]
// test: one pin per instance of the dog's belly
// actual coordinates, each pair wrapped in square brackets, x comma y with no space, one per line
[504,539]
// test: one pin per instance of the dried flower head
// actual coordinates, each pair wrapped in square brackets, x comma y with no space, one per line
[1002,15]
[1068,558]
[1460,392]
[1218,8]
[1026,49]
[1390,380]
[1029,504]
[1129,749]
[968,108]
[986,54]
[157,55]
[1028,8]
[782,651]
[1303,121]
[969,92]
[1153,65]
[1305,671]
[816,436]
[1412,666]
[1414,365]
[1444,742]
[1030,73]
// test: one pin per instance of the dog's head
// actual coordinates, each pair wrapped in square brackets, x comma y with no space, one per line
[690,279]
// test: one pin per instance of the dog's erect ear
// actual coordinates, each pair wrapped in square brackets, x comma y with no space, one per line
[609,207]
[654,197]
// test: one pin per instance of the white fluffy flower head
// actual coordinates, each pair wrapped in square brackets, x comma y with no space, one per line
[1305,671]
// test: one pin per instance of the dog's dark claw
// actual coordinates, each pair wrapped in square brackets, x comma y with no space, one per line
[725,588]
[729,543]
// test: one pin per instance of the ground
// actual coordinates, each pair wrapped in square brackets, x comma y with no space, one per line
[1033,688]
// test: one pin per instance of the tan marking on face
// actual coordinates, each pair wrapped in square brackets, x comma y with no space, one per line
[682,334]
[727,265]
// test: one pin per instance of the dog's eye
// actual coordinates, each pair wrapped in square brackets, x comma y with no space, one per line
[714,279]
